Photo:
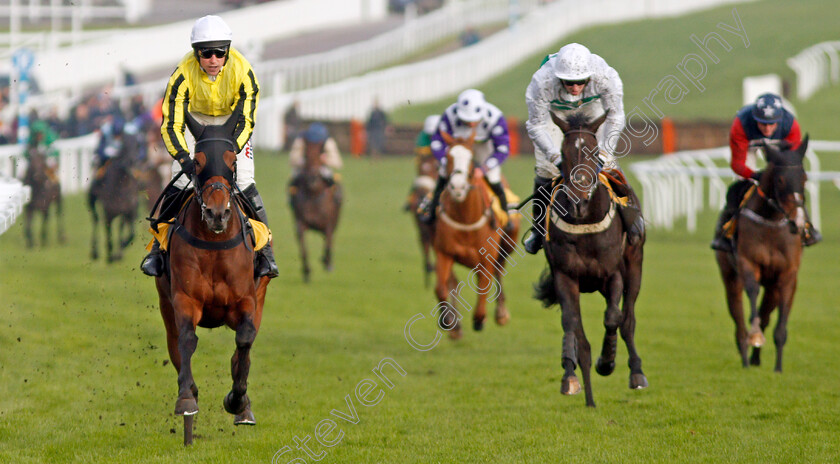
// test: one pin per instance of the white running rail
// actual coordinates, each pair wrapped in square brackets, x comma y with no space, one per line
[674,186]
[816,67]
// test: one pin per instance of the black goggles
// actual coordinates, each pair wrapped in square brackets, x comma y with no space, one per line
[207,53]
[578,82]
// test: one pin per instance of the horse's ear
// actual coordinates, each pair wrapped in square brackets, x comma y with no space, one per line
[448,139]
[233,120]
[597,123]
[803,147]
[195,127]
[772,154]
[559,122]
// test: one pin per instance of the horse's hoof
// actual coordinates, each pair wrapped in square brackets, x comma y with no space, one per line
[478,324]
[604,368]
[238,407]
[756,339]
[186,407]
[502,317]
[246,417]
[455,333]
[571,385]
[638,381]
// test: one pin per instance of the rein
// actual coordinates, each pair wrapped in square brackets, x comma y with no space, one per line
[215,245]
[774,203]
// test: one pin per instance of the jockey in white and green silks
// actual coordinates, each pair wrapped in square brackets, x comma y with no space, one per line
[571,80]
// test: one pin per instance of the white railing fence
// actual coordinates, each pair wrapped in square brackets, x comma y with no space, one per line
[467,67]
[816,67]
[674,186]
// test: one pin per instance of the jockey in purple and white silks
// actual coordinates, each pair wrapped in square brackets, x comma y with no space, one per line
[571,80]
[472,113]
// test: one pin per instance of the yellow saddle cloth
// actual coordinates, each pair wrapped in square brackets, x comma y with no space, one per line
[502,216]
[262,234]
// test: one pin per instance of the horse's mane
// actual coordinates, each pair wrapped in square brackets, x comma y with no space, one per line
[578,119]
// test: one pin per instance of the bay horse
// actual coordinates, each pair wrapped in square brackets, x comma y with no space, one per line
[210,280]
[467,232]
[117,193]
[588,251]
[422,186]
[316,205]
[45,192]
[767,253]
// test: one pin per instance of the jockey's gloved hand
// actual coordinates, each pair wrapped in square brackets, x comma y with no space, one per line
[187,163]
[756,176]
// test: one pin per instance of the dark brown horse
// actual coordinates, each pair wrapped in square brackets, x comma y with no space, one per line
[588,251]
[767,253]
[421,187]
[117,194]
[316,205]
[45,192]
[210,280]
[467,232]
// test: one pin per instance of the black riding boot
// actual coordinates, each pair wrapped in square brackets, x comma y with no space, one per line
[429,210]
[499,190]
[153,263]
[720,241]
[542,192]
[810,236]
[266,266]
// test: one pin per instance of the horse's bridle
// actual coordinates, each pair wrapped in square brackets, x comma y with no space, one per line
[198,183]
[580,153]
[775,204]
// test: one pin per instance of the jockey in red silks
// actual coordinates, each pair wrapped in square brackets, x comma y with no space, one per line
[765,122]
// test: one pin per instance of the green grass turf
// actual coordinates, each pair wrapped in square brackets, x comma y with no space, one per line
[645,52]
[84,374]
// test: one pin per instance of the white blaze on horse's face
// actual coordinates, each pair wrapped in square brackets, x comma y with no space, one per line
[459,182]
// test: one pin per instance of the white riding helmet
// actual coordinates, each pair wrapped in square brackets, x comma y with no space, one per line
[210,31]
[430,126]
[470,105]
[572,63]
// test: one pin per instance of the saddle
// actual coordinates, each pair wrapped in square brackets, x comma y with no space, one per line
[161,229]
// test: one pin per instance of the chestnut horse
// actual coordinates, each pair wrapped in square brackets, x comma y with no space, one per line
[45,192]
[210,280]
[316,205]
[466,232]
[422,186]
[587,251]
[767,253]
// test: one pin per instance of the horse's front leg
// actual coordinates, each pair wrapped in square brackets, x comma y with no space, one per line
[59,219]
[734,287]
[27,227]
[110,257]
[786,304]
[613,318]
[328,241]
[449,318]
[750,276]
[632,286]
[237,402]
[94,238]
[187,342]
[576,349]
[300,230]
[769,301]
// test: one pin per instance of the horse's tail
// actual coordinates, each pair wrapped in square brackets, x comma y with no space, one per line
[544,289]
